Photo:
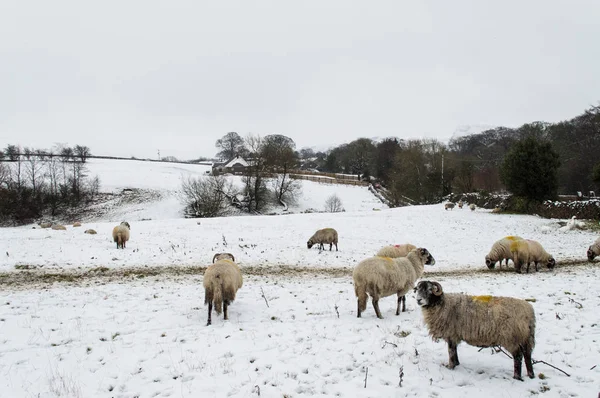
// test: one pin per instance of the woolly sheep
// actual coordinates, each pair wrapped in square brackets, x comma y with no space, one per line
[324,236]
[77,224]
[460,204]
[120,234]
[449,206]
[383,276]
[58,227]
[221,282]
[90,231]
[496,210]
[529,251]
[500,251]
[396,250]
[45,225]
[593,250]
[481,321]
[472,206]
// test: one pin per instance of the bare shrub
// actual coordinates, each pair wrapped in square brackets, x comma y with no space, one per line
[333,204]
[206,196]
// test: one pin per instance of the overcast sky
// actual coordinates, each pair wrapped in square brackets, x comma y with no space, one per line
[129,78]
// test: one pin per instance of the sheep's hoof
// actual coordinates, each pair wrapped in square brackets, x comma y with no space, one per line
[517,378]
[380,317]
[531,375]
[207,323]
[451,365]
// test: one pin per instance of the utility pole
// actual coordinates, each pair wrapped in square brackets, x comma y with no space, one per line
[159,154]
[442,174]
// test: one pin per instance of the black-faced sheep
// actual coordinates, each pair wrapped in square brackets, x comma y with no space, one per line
[324,236]
[594,250]
[501,251]
[482,321]
[384,276]
[221,282]
[90,231]
[529,251]
[449,206]
[120,234]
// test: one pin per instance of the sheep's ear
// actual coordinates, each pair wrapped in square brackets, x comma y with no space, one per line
[215,257]
[437,289]
[423,251]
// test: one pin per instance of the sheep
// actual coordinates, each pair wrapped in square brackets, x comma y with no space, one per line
[395,251]
[460,204]
[496,210]
[76,224]
[221,282]
[482,321]
[500,251]
[593,250]
[383,276]
[45,225]
[449,206]
[90,231]
[529,251]
[58,227]
[324,236]
[120,234]
[472,206]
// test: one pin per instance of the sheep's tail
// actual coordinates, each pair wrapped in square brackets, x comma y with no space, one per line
[119,239]
[217,288]
[361,293]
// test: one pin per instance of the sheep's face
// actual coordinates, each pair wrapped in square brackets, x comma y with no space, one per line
[126,224]
[428,293]
[310,243]
[551,263]
[590,254]
[490,264]
[426,256]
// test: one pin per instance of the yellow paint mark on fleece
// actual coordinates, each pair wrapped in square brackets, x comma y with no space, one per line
[515,244]
[512,238]
[482,299]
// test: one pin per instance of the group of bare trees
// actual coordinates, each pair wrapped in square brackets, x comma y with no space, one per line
[34,181]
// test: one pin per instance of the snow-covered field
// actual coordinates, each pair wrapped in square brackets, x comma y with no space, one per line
[146,336]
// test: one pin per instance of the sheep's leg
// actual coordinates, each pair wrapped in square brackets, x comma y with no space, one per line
[518,266]
[330,246]
[528,362]
[536,267]
[401,299]
[209,313]
[528,266]
[336,248]
[376,307]
[225,304]
[452,355]
[518,362]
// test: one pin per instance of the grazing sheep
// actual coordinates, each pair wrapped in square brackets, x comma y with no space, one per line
[472,206]
[120,234]
[221,282]
[396,250]
[593,250]
[90,231]
[460,204]
[496,210]
[77,224]
[449,206]
[481,321]
[529,251]
[58,227]
[500,251]
[45,225]
[383,276]
[324,236]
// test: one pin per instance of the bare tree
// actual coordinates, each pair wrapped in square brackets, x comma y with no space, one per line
[230,145]
[82,152]
[333,204]
[33,168]
[206,196]
[255,188]
[280,157]
[286,188]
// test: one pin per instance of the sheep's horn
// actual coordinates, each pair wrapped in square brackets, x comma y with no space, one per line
[215,257]
[232,258]
[437,289]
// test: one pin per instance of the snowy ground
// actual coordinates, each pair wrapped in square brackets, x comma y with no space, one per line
[138,335]
[148,338]
[457,239]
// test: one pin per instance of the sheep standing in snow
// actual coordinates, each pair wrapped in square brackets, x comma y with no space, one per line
[449,206]
[58,227]
[501,251]
[472,206]
[45,225]
[383,276]
[481,321]
[90,231]
[394,252]
[529,251]
[120,234]
[324,236]
[593,250]
[221,282]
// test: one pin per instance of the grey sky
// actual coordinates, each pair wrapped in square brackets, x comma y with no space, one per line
[130,77]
